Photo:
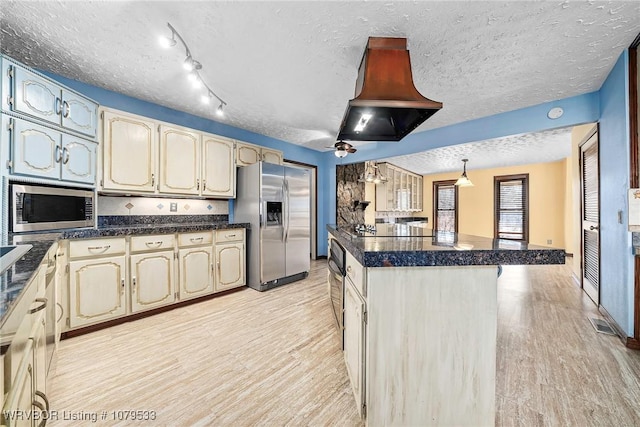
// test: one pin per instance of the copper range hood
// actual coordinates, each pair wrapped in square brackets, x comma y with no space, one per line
[387,106]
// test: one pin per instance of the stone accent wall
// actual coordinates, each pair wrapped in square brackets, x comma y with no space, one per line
[348,190]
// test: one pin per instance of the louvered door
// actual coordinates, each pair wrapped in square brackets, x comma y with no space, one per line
[590,218]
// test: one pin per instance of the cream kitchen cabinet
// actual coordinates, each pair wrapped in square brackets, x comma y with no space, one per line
[25,360]
[152,264]
[271,156]
[195,264]
[218,166]
[129,153]
[355,313]
[248,154]
[229,252]
[179,160]
[42,152]
[97,283]
[28,93]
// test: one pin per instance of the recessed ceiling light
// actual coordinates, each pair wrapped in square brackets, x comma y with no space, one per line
[555,113]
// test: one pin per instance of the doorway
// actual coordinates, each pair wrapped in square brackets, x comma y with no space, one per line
[590,216]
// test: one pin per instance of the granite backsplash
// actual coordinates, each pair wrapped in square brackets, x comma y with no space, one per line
[106,221]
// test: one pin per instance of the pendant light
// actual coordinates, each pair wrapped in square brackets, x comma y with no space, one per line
[463,181]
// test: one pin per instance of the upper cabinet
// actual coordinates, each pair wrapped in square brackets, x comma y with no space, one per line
[28,93]
[248,154]
[129,148]
[179,160]
[401,192]
[218,166]
[41,152]
[144,156]
[49,130]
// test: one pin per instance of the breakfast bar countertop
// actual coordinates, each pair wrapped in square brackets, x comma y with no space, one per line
[402,245]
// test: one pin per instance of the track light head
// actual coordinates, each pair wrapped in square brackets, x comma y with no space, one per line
[219,111]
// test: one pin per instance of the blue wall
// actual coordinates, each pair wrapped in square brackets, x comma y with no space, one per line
[616,259]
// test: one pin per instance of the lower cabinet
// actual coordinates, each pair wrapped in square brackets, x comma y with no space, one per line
[354,342]
[25,365]
[152,280]
[97,290]
[196,275]
[230,269]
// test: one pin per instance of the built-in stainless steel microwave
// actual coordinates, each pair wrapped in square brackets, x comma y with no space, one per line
[37,208]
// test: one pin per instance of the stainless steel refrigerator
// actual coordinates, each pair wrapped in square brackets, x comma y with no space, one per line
[275,200]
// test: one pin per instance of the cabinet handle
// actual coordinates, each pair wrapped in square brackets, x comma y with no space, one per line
[66,108]
[349,269]
[204,184]
[46,408]
[198,184]
[40,307]
[153,179]
[196,239]
[99,248]
[58,106]
[231,235]
[154,244]
[122,284]
[218,267]
[61,312]
[65,155]
[58,154]
[134,284]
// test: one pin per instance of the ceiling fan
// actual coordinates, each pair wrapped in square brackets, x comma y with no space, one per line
[343,148]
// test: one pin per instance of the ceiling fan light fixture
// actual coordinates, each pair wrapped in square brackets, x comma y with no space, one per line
[340,153]
[464,181]
[167,42]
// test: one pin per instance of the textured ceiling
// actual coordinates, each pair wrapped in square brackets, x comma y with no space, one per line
[287,69]
[538,147]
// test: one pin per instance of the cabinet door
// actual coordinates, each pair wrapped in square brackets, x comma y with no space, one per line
[354,341]
[78,159]
[129,155]
[219,167]
[179,161]
[36,96]
[196,278]
[247,154]
[79,113]
[230,269]
[272,156]
[35,150]
[152,280]
[96,290]
[20,396]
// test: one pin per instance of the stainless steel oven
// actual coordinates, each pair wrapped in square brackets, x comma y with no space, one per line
[335,281]
[38,208]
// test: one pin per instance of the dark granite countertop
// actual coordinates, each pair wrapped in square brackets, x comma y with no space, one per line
[403,246]
[13,281]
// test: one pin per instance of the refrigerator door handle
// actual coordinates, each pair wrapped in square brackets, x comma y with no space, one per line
[287,209]
[284,211]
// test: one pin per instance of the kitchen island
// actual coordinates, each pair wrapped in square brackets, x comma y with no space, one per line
[420,322]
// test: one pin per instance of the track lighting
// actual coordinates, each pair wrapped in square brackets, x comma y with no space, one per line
[193,67]
[219,110]
[463,181]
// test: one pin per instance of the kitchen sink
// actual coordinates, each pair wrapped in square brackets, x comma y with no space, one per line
[10,254]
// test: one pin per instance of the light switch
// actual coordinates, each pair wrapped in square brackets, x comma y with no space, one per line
[173,207]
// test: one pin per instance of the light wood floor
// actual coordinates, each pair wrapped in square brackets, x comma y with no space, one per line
[273,358]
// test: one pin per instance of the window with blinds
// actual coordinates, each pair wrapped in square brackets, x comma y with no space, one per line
[445,206]
[512,207]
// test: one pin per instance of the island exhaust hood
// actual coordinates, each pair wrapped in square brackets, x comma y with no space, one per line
[387,106]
